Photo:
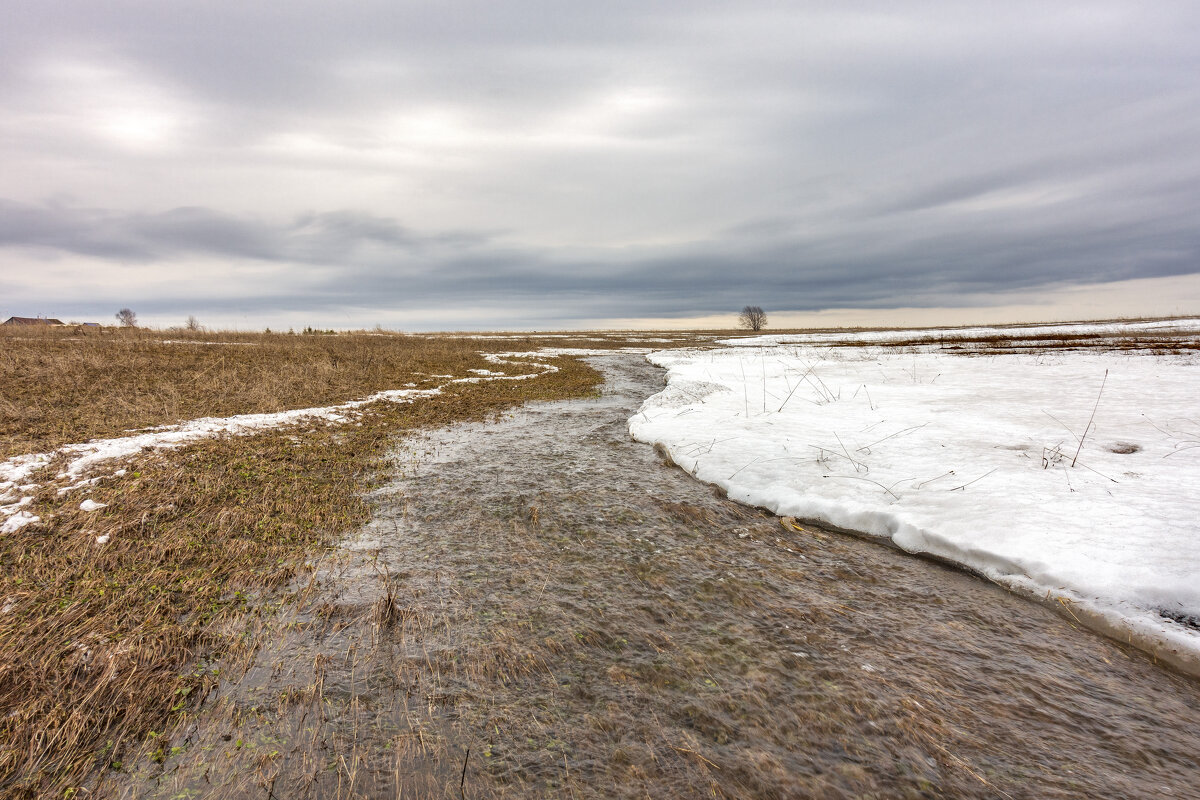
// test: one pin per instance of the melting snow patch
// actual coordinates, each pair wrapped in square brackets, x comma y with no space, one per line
[15,471]
[17,521]
[79,485]
[13,508]
[91,505]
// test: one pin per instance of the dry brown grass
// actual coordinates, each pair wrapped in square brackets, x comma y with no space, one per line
[101,646]
[1015,339]
[60,388]
[1001,344]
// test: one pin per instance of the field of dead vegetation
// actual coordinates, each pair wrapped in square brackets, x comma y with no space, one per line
[115,605]
[61,388]
[114,602]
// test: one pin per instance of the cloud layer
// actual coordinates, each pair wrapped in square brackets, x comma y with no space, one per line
[527,162]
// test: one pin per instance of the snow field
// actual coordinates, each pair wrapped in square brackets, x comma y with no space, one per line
[968,459]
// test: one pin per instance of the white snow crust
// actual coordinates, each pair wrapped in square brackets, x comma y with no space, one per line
[17,520]
[968,459]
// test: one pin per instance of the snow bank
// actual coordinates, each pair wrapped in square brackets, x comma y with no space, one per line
[968,459]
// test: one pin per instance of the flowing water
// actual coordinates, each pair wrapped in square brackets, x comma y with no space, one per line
[542,607]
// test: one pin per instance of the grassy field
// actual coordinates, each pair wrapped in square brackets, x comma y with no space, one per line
[101,645]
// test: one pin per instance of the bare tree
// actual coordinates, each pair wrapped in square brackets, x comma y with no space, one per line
[127,318]
[753,318]
[193,324]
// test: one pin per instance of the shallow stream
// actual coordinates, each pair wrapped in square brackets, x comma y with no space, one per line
[542,607]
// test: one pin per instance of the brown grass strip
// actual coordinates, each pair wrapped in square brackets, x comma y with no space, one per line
[103,647]
[59,388]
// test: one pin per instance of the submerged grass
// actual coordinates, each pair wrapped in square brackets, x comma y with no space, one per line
[104,646]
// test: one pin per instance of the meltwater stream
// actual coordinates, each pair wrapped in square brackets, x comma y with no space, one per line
[542,607]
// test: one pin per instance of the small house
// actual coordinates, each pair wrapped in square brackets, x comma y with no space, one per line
[31,321]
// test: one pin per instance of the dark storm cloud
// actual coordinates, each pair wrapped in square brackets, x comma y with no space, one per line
[615,159]
[358,259]
[326,238]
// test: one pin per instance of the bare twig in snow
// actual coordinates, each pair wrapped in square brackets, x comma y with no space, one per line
[764,380]
[893,436]
[868,480]
[1101,474]
[1087,427]
[968,483]
[847,452]
[745,389]
[752,462]
[789,397]
[1060,422]
[931,480]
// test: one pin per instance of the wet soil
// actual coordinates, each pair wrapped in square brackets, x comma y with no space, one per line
[542,607]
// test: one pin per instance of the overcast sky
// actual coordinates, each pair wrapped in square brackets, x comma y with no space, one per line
[549,164]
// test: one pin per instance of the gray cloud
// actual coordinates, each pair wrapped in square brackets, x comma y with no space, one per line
[358,259]
[337,237]
[616,160]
